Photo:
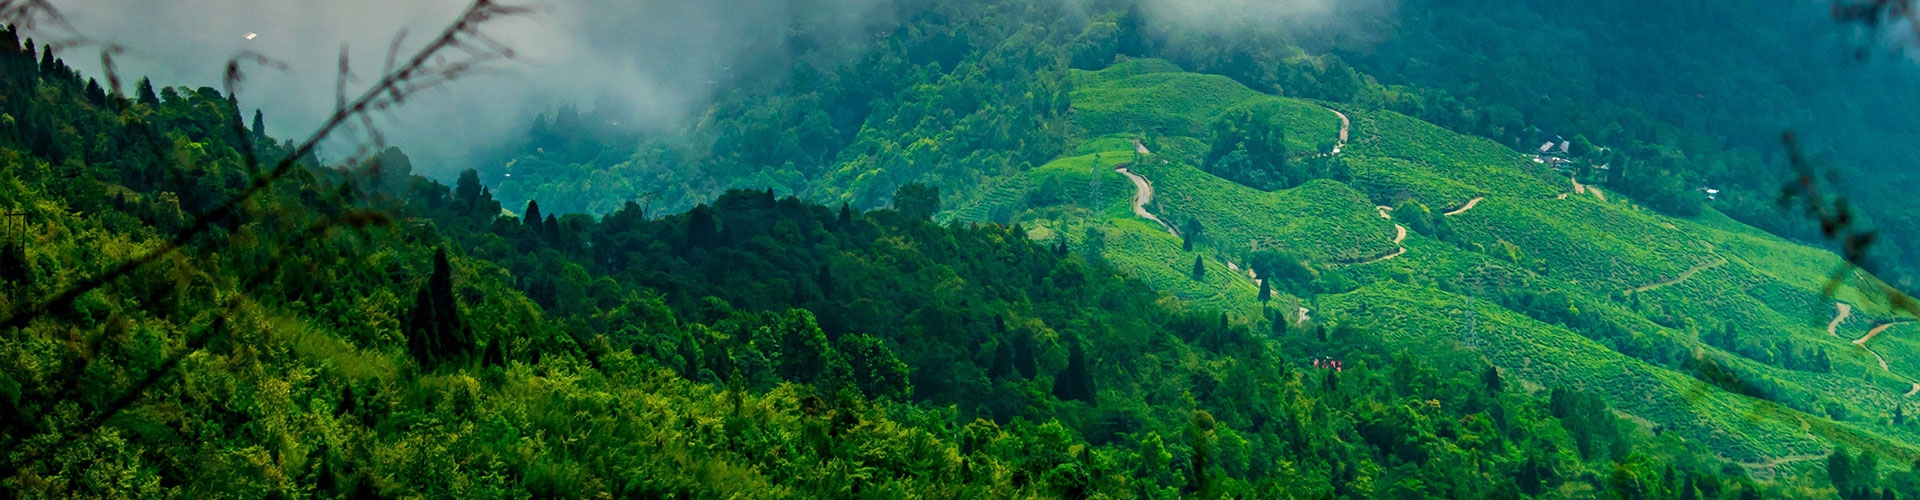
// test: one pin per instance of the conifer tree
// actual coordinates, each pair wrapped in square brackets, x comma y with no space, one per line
[144,93]
[702,230]
[824,280]
[434,330]
[259,127]
[467,190]
[1199,268]
[1190,233]
[1076,382]
[532,216]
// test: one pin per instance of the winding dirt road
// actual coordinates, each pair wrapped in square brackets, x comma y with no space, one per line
[1399,235]
[1844,310]
[1877,356]
[1875,332]
[1862,342]
[1386,257]
[1683,275]
[1345,124]
[1464,208]
[1143,194]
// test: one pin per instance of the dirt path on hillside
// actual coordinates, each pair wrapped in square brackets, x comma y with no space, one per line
[1840,316]
[1875,332]
[1143,195]
[1833,328]
[1877,356]
[1579,188]
[1383,211]
[1386,257]
[1139,147]
[1338,146]
[1683,275]
[1399,235]
[1464,208]
[1345,124]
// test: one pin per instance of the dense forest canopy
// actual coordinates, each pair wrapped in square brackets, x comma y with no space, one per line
[1005,249]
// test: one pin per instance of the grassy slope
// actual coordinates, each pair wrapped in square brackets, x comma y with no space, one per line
[1597,252]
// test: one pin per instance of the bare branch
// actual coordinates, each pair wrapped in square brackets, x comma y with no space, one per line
[391,89]
[1838,222]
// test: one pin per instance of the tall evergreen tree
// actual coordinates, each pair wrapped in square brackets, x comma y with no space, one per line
[1266,291]
[95,94]
[1190,234]
[532,216]
[144,93]
[1076,382]
[259,127]
[823,279]
[1199,268]
[1002,364]
[434,330]
[702,230]
[467,190]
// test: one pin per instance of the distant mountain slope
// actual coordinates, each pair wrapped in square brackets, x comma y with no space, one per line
[1702,326]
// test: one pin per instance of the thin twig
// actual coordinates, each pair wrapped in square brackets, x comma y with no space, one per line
[424,70]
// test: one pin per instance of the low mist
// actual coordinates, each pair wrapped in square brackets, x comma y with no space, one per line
[655,61]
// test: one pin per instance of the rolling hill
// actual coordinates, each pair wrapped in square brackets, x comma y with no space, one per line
[1704,326]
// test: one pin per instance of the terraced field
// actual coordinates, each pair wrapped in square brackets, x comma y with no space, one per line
[1515,225]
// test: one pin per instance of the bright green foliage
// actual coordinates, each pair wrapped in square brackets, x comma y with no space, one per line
[765,347]
[755,347]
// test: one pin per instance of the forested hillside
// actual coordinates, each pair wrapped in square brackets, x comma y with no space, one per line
[354,331]
[999,249]
[965,93]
